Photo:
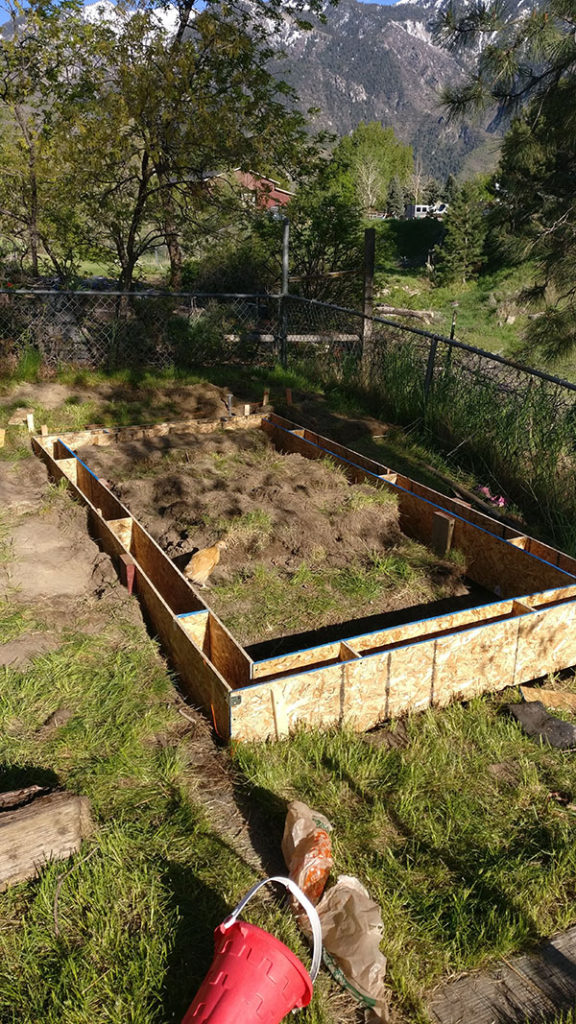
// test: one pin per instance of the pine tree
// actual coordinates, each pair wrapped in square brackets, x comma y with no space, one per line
[460,255]
[395,204]
[527,66]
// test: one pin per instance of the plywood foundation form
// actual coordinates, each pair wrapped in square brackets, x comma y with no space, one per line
[361,679]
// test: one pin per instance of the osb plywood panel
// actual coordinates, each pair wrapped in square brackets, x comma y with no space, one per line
[227,655]
[547,641]
[425,627]
[195,625]
[478,660]
[169,581]
[103,436]
[295,660]
[199,677]
[312,698]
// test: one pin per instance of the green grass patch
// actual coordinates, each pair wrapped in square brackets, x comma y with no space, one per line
[14,621]
[264,601]
[126,935]
[455,836]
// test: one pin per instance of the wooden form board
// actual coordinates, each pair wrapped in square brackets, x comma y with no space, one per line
[359,680]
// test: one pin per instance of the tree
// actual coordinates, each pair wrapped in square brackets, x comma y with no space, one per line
[395,204]
[527,68]
[326,254]
[141,118]
[460,255]
[41,62]
[368,159]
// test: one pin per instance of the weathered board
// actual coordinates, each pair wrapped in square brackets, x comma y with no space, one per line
[536,987]
[359,680]
[50,828]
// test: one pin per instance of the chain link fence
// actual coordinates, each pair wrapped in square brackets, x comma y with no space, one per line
[512,424]
[110,330]
[515,424]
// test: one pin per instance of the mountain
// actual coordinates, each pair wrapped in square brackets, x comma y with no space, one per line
[368,62]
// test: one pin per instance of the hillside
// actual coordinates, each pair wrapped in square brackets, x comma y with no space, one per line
[375,63]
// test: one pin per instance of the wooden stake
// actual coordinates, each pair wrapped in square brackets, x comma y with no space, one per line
[266,397]
[127,567]
[44,430]
[30,422]
[288,396]
[246,410]
[2,437]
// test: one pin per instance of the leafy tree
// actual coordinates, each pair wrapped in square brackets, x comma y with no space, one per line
[396,203]
[527,67]
[140,119]
[368,159]
[326,248]
[41,63]
[460,255]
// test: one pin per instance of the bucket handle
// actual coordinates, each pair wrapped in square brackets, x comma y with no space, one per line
[304,902]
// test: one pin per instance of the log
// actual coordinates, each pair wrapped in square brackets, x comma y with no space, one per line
[427,315]
[50,828]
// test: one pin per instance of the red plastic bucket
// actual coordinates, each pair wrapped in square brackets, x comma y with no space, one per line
[254,978]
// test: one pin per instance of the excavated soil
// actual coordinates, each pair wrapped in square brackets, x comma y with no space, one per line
[284,518]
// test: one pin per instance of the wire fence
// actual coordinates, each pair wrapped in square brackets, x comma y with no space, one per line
[111,330]
[516,424]
[513,424]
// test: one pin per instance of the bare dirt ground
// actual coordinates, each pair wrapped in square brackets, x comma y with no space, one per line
[56,576]
[336,548]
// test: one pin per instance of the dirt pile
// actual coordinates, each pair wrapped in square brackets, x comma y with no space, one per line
[335,548]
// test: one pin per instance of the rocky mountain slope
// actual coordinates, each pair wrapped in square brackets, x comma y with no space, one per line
[376,63]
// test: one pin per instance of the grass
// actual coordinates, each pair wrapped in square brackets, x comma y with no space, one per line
[455,835]
[263,601]
[131,937]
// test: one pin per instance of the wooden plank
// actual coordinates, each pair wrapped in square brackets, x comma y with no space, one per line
[168,580]
[195,624]
[442,532]
[425,628]
[312,656]
[544,598]
[557,699]
[311,697]
[104,436]
[363,692]
[122,528]
[50,828]
[227,655]
[491,561]
[127,567]
[30,422]
[67,468]
[537,986]
[547,641]
[200,679]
